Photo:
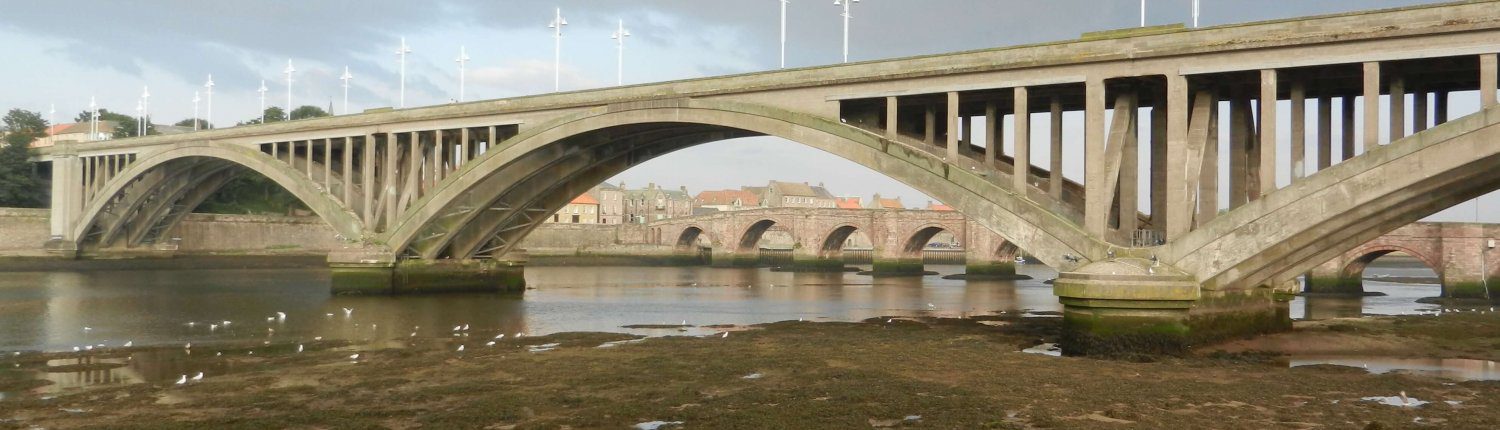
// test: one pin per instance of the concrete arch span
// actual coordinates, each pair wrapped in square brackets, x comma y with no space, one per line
[492,202]
[155,192]
[1278,238]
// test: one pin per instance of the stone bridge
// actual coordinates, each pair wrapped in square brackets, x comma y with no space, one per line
[898,238]
[1463,256]
[439,197]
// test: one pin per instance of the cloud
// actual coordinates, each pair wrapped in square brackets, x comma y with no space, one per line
[527,77]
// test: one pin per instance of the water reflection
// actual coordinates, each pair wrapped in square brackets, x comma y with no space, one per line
[1450,368]
[1398,299]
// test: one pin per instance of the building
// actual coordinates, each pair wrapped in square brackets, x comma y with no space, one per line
[931,206]
[883,203]
[849,202]
[797,195]
[75,132]
[611,202]
[584,209]
[654,203]
[727,200]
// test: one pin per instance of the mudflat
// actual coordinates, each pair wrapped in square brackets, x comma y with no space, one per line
[879,373]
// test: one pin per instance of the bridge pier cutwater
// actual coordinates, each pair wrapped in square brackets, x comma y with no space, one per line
[454,188]
[360,273]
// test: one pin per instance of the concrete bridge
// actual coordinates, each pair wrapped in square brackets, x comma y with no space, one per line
[422,195]
[1462,255]
[898,238]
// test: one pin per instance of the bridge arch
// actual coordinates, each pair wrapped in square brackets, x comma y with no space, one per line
[690,235]
[749,236]
[537,171]
[1277,238]
[1353,269]
[832,245]
[198,169]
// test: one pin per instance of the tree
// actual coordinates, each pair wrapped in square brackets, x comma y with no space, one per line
[202,125]
[19,185]
[125,125]
[308,111]
[273,114]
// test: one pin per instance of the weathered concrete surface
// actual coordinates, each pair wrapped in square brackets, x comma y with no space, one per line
[207,234]
[1460,254]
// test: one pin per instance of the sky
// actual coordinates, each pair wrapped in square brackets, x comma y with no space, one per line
[62,54]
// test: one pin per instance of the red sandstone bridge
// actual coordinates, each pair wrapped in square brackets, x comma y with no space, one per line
[423,195]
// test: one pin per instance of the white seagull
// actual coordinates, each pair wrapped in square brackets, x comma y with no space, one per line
[281,316]
[182,380]
[348,312]
[460,348]
[198,377]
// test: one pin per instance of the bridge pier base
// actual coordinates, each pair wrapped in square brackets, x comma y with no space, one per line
[903,266]
[356,276]
[1127,306]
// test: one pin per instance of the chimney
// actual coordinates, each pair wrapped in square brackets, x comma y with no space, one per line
[683,188]
[650,185]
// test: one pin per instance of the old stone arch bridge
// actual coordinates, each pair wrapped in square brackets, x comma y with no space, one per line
[423,194]
[1463,255]
[897,237]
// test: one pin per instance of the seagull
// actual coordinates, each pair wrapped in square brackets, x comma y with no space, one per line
[354,357]
[77,349]
[198,377]
[348,312]
[182,380]
[1405,401]
[88,347]
[328,315]
[213,327]
[684,322]
[319,338]
[281,316]
[725,336]
[88,329]
[188,346]
[457,327]
[490,343]
[413,334]
[225,323]
[888,320]
[500,336]
[466,327]
[930,306]
[299,347]
[270,319]
[460,348]
[190,324]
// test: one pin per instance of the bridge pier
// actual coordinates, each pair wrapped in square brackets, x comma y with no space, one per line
[806,259]
[357,273]
[1133,306]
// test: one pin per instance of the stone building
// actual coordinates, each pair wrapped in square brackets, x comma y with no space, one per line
[878,202]
[611,202]
[655,203]
[76,132]
[727,200]
[584,209]
[797,195]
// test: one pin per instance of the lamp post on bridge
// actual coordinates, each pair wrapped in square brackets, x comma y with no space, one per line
[556,25]
[346,77]
[783,32]
[1195,13]
[140,126]
[195,110]
[463,58]
[146,108]
[262,90]
[209,115]
[401,52]
[289,71]
[93,120]
[1143,13]
[619,38]
[846,4]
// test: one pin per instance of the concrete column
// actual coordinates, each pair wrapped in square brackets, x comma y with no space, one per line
[1268,100]
[390,180]
[367,180]
[466,147]
[328,166]
[348,179]
[1398,108]
[1346,122]
[891,115]
[1096,202]
[1487,78]
[1371,138]
[1240,136]
[1325,132]
[1299,132]
[929,132]
[1208,184]
[309,151]
[439,159]
[1179,193]
[1419,111]
[967,137]
[1130,170]
[1055,184]
[952,134]
[991,134]
[1440,107]
[276,150]
[1023,141]
[67,200]
[1159,165]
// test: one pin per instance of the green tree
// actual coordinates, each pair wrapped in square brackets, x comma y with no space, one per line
[19,185]
[125,125]
[273,114]
[308,111]
[202,125]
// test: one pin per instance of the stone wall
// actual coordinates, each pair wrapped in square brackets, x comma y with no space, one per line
[23,231]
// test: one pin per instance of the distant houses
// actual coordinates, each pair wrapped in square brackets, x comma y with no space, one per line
[617,204]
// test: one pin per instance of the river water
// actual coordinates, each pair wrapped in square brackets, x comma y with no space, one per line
[57,311]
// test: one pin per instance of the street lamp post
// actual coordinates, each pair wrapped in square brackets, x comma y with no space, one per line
[401,52]
[209,115]
[1195,13]
[289,71]
[1143,13]
[619,38]
[140,126]
[845,4]
[783,32]
[346,77]
[146,106]
[262,92]
[93,120]
[51,113]
[556,25]
[195,110]
[463,58]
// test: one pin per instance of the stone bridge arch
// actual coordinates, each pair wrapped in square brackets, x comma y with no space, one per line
[153,193]
[537,171]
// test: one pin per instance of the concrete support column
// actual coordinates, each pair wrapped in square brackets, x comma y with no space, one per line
[1299,132]
[991,133]
[1346,122]
[367,180]
[1268,100]
[1325,132]
[1241,134]
[1371,138]
[390,181]
[1130,161]
[1159,165]
[987,255]
[1440,107]
[1022,166]
[1055,184]
[1179,190]
[929,131]
[966,138]
[1096,201]
[952,134]
[348,179]
[1419,121]
[1398,107]
[67,202]
[891,119]
[1208,180]
[357,274]
[1487,76]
